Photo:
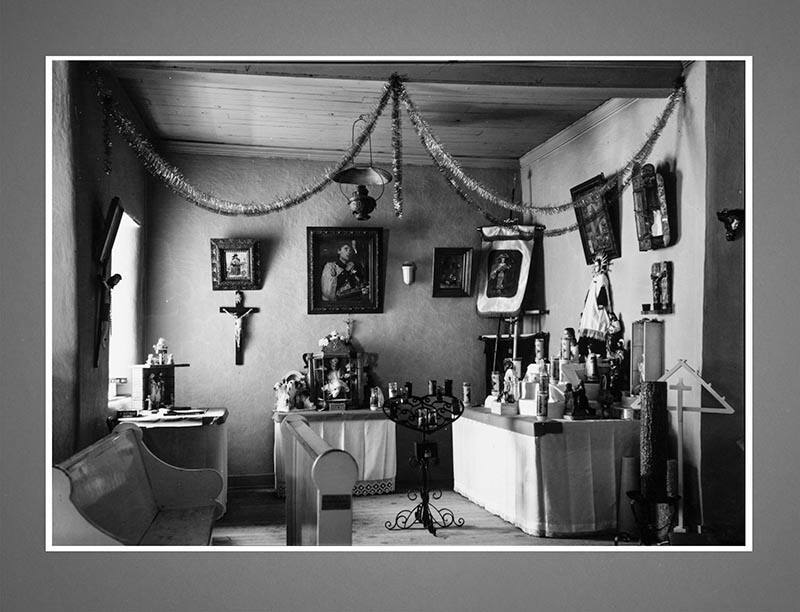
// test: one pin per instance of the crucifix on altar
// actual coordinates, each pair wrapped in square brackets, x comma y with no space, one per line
[239,312]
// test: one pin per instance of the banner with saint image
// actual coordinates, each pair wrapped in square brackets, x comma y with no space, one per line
[506,254]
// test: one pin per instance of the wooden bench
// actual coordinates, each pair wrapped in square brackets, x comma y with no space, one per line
[117,492]
[319,487]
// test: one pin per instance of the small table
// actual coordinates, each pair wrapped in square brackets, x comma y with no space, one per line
[549,478]
[366,434]
[193,440]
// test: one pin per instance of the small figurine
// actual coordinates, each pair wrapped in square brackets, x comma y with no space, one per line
[160,352]
[567,339]
[661,280]
[510,381]
[569,400]
[336,386]
[605,399]
[582,407]
[574,352]
[613,334]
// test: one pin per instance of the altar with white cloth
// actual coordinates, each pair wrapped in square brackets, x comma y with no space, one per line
[367,435]
[549,478]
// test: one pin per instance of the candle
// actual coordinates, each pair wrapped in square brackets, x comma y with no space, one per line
[448,387]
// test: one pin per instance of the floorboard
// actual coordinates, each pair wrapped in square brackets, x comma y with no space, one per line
[257,518]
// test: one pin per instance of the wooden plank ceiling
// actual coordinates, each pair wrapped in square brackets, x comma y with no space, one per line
[484,113]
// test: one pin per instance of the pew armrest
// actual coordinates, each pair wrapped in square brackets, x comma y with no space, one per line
[175,487]
[70,527]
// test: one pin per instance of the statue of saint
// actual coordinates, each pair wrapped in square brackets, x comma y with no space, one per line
[336,385]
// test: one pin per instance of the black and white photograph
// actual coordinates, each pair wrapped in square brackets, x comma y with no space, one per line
[590,404]
[636,437]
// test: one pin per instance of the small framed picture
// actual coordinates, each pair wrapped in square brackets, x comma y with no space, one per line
[235,264]
[597,222]
[345,267]
[452,272]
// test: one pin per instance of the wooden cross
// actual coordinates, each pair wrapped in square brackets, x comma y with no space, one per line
[238,312]
[680,388]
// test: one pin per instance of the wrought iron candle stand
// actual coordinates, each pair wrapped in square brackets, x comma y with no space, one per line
[426,415]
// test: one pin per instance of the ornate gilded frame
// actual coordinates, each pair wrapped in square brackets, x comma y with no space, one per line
[322,244]
[223,275]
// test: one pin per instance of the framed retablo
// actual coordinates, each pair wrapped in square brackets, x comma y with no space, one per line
[345,267]
[235,263]
[452,271]
[597,220]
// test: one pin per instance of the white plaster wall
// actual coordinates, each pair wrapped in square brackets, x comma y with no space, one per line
[606,147]
[64,268]
[82,192]
[417,337]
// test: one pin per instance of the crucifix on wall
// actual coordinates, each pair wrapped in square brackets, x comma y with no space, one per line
[239,312]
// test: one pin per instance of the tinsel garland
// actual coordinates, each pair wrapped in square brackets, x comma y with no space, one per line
[444,162]
[174,179]
[397,148]
[548,233]
[450,167]
[427,138]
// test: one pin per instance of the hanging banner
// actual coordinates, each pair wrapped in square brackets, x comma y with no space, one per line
[505,264]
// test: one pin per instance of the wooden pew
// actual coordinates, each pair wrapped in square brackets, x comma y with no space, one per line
[319,487]
[117,492]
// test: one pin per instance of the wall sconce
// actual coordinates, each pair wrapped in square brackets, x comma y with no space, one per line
[360,202]
[733,220]
[409,269]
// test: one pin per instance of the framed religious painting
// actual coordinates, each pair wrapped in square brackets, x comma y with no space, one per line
[597,220]
[235,264]
[345,269]
[452,272]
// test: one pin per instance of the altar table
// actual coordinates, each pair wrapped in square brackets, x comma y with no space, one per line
[366,434]
[552,478]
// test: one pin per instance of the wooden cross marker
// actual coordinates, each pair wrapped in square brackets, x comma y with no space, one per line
[680,388]
[238,312]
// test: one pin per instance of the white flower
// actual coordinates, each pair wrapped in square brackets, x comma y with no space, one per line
[323,342]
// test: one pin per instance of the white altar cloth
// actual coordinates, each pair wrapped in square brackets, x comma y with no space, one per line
[553,478]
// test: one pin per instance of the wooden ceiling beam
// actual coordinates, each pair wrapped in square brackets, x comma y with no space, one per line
[623,78]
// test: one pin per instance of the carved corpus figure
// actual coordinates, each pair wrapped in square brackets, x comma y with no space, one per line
[661,279]
[238,312]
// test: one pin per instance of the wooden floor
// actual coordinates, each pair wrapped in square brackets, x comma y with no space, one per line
[256,518]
